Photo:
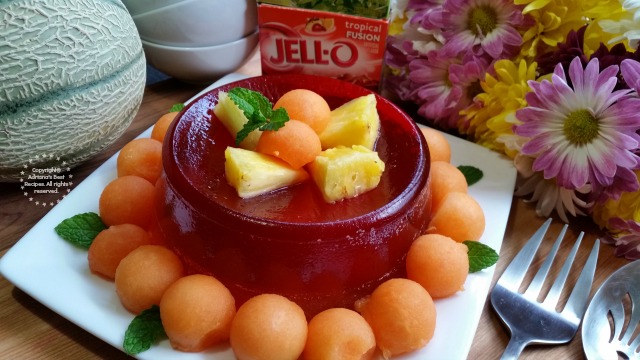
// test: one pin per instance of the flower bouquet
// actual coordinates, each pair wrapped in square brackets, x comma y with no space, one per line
[553,84]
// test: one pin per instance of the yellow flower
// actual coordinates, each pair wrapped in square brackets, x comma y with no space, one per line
[398,20]
[594,9]
[552,22]
[627,207]
[491,117]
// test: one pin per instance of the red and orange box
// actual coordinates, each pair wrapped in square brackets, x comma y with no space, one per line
[347,47]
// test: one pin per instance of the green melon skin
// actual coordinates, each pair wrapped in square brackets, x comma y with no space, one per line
[72,77]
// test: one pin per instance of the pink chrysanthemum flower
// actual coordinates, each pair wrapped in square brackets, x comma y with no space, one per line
[465,79]
[482,26]
[581,131]
[445,85]
[431,86]
[626,238]
[630,70]
[426,13]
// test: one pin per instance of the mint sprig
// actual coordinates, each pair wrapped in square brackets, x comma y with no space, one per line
[176,107]
[481,256]
[144,330]
[258,110]
[471,173]
[81,229]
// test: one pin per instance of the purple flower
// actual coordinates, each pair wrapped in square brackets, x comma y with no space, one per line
[431,86]
[427,13]
[567,51]
[630,70]
[583,133]
[445,85]
[626,238]
[574,47]
[482,26]
[615,55]
[398,52]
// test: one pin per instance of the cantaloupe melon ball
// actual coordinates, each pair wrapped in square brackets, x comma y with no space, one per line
[339,333]
[445,178]
[438,263]
[196,312]
[143,276]
[159,130]
[111,246]
[306,106]
[127,200]
[459,217]
[402,315]
[267,327]
[439,147]
[141,157]
[295,143]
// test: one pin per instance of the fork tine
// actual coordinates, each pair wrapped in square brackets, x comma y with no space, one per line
[536,284]
[577,303]
[517,269]
[556,289]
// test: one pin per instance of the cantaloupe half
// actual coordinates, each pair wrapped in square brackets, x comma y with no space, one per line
[72,78]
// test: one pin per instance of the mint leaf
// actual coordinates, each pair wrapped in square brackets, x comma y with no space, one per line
[262,104]
[81,229]
[176,107]
[255,106]
[471,173]
[480,255]
[144,330]
[258,110]
[251,125]
[279,117]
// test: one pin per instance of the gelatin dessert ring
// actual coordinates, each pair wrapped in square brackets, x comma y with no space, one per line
[291,241]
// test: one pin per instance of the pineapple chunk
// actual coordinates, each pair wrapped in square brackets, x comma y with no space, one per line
[233,118]
[354,123]
[345,172]
[252,173]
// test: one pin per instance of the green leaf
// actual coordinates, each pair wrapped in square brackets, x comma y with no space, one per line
[247,129]
[144,330]
[279,117]
[255,106]
[176,107]
[480,255]
[258,110]
[471,173]
[81,229]
[264,106]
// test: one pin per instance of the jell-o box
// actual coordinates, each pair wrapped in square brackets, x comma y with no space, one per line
[341,46]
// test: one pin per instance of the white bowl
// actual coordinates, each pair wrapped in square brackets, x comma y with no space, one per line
[197,23]
[136,7]
[200,65]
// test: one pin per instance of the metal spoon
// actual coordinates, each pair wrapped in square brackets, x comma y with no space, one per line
[611,324]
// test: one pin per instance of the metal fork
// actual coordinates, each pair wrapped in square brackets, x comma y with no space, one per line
[537,321]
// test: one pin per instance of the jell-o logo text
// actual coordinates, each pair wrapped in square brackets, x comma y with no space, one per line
[301,51]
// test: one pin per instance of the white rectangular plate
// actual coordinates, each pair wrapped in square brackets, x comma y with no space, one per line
[57,275]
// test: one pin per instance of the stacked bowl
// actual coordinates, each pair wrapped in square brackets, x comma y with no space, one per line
[196,41]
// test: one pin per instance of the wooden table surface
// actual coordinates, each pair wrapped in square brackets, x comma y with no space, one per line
[29,330]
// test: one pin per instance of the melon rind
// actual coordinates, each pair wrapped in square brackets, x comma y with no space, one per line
[73,76]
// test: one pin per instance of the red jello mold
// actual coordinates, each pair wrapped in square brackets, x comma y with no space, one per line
[291,242]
